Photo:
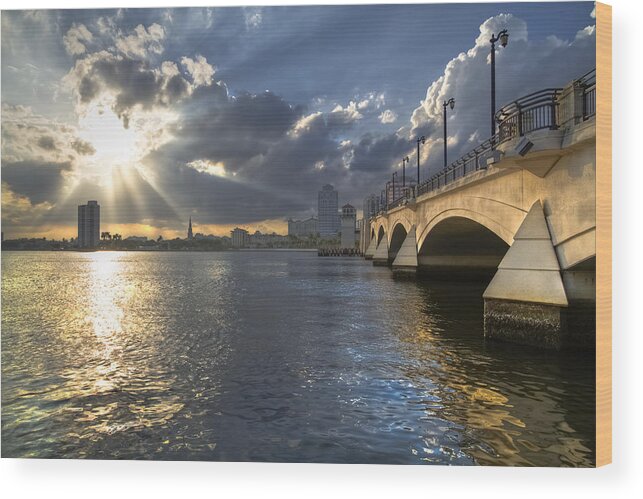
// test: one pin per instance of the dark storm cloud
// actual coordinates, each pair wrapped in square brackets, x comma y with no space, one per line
[274,155]
[82,147]
[47,142]
[39,181]
[376,154]
[233,130]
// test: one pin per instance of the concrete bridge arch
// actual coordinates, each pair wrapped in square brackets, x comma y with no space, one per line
[501,230]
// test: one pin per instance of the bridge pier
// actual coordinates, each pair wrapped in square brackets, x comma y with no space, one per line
[406,259]
[370,251]
[380,257]
[525,301]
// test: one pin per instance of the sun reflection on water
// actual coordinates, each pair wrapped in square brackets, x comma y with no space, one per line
[119,388]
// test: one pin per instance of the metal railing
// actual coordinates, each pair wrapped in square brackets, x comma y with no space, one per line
[536,111]
[533,112]
[471,162]
[588,83]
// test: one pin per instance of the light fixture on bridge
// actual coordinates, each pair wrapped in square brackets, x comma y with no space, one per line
[503,38]
[451,104]
[420,140]
[523,146]
[405,160]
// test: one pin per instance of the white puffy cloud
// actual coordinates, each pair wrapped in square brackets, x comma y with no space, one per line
[304,124]
[388,116]
[523,67]
[199,69]
[349,113]
[206,166]
[75,39]
[27,136]
[142,41]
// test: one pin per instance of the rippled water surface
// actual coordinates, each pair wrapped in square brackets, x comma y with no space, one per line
[272,356]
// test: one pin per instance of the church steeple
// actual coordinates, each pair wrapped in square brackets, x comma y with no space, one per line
[190,236]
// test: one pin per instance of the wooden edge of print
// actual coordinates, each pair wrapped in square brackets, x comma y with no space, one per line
[603,234]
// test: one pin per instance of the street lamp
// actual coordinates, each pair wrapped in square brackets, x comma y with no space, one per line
[447,103]
[387,189]
[503,38]
[405,160]
[420,140]
[393,182]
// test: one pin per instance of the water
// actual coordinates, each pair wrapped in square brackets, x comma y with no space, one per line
[272,356]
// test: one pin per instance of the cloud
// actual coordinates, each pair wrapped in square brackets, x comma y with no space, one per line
[18,210]
[207,166]
[82,147]
[126,84]
[519,71]
[142,42]
[388,116]
[75,39]
[346,114]
[40,157]
[253,17]
[199,69]
[27,136]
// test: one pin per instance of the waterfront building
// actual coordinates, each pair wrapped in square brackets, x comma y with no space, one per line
[88,224]
[190,236]
[349,214]
[371,206]
[239,237]
[260,240]
[327,211]
[303,228]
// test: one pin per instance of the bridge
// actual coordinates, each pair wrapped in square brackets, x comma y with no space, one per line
[520,209]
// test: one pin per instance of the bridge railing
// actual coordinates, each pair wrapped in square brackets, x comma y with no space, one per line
[550,108]
[588,84]
[533,112]
[471,162]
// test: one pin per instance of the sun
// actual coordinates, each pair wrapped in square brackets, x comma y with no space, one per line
[116,147]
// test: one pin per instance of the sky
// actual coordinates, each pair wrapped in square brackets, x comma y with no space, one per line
[237,116]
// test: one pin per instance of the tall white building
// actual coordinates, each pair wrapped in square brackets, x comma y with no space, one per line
[327,211]
[88,224]
[239,237]
[349,214]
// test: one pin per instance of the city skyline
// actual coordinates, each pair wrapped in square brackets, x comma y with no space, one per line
[123,107]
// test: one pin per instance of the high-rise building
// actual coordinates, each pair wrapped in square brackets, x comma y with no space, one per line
[88,224]
[328,216]
[239,237]
[190,235]
[371,206]
[349,214]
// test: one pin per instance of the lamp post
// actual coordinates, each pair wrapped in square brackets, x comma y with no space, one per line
[405,160]
[393,182]
[387,189]
[447,103]
[503,38]
[419,140]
